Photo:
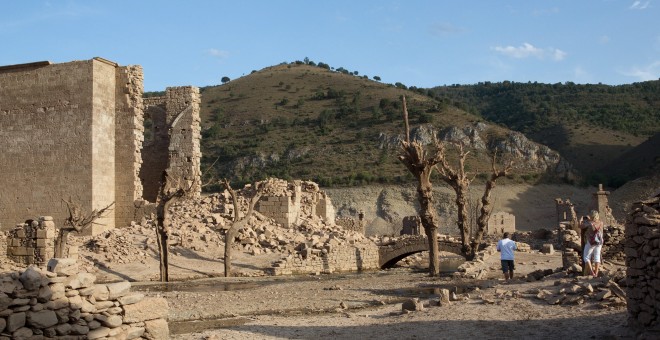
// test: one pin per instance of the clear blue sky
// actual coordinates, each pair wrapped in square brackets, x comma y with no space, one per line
[420,43]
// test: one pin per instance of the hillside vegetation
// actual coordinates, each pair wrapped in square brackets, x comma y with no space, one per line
[590,125]
[308,121]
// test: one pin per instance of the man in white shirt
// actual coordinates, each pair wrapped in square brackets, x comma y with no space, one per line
[506,247]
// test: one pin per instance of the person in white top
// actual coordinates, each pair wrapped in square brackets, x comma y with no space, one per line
[506,247]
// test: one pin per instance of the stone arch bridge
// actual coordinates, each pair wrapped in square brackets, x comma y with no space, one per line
[389,255]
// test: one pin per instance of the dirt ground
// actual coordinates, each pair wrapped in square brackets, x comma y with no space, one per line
[368,305]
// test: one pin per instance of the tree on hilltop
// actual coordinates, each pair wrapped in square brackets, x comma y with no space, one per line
[225,79]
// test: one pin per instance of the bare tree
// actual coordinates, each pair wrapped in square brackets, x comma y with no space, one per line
[486,201]
[78,222]
[457,178]
[420,164]
[167,195]
[237,222]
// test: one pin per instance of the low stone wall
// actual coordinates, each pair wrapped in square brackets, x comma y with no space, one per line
[613,248]
[571,247]
[32,243]
[60,303]
[346,258]
[642,248]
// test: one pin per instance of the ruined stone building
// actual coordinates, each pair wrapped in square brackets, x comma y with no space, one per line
[75,131]
[500,223]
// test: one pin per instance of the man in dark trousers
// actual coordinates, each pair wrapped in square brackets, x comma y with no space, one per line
[506,247]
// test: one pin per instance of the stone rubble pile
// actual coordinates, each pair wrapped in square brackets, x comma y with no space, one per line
[63,303]
[581,289]
[614,237]
[642,249]
[200,225]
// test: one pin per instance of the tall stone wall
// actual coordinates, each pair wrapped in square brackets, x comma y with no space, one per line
[175,134]
[47,116]
[129,135]
[642,249]
[74,131]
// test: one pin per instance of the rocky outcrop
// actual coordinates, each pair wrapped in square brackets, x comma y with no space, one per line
[529,155]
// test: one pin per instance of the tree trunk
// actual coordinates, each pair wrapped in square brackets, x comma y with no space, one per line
[484,216]
[162,236]
[61,242]
[429,219]
[462,218]
[229,240]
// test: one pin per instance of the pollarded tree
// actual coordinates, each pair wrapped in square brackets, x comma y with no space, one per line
[167,195]
[459,180]
[421,163]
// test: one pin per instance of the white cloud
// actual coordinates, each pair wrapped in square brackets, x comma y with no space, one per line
[640,5]
[220,54]
[558,54]
[648,72]
[528,50]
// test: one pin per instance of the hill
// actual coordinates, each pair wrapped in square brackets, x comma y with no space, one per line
[307,122]
[590,125]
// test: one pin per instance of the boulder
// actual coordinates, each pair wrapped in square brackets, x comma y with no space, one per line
[412,305]
[31,278]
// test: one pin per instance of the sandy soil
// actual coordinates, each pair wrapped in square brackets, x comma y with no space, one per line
[368,305]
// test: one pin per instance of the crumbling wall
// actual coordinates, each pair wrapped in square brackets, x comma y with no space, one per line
[75,130]
[412,225]
[565,211]
[33,242]
[329,260]
[283,209]
[501,222]
[349,223]
[642,248]
[174,137]
[129,134]
[63,303]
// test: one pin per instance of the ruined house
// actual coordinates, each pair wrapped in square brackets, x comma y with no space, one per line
[500,223]
[75,131]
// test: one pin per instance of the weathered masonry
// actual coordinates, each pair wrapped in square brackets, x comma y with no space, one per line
[75,131]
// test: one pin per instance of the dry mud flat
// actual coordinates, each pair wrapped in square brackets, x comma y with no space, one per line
[368,305]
